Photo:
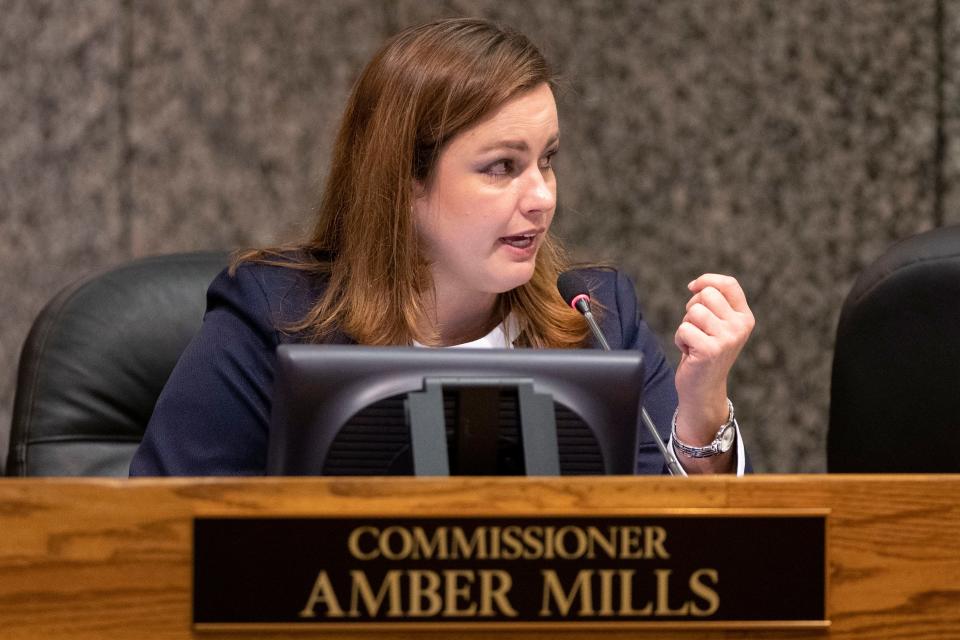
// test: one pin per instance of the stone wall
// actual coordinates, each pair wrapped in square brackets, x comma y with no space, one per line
[787,143]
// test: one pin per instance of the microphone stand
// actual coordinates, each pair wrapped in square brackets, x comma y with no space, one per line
[673,465]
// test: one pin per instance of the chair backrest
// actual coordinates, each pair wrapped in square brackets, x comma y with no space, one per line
[96,359]
[895,393]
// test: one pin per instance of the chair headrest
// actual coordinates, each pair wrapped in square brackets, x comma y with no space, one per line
[895,392]
[97,357]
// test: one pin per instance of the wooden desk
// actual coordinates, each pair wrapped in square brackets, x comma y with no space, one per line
[112,558]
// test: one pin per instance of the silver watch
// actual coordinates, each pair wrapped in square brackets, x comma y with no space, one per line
[722,442]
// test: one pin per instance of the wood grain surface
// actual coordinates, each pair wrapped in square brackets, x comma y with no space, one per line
[112,558]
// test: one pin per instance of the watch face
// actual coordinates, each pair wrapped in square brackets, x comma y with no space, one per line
[726,438]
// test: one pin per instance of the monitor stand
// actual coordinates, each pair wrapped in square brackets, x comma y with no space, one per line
[477,426]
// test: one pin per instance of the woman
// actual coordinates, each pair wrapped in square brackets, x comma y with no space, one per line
[434,230]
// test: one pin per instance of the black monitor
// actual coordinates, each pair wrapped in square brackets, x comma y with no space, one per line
[358,410]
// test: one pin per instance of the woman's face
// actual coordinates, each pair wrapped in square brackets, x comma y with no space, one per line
[483,215]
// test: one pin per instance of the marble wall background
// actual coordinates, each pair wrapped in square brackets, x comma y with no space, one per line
[787,143]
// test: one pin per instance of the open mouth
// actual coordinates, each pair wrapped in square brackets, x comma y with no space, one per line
[520,242]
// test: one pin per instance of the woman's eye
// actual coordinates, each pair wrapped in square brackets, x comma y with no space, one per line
[500,168]
[547,161]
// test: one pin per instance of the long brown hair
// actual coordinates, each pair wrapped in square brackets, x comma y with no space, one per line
[426,85]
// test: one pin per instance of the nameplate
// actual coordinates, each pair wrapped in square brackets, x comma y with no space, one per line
[697,569]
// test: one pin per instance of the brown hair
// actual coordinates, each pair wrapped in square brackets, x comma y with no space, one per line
[426,85]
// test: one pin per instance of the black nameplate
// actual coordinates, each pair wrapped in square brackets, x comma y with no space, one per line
[719,570]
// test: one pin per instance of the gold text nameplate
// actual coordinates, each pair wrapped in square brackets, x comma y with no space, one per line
[706,569]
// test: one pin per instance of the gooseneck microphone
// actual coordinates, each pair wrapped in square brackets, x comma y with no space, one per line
[574,291]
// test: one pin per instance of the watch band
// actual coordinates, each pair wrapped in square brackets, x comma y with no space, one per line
[710,450]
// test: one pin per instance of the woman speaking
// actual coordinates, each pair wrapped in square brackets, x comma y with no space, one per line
[434,230]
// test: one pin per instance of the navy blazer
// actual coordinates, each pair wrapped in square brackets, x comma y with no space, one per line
[213,415]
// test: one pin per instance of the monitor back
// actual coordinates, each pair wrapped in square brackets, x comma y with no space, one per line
[339,409]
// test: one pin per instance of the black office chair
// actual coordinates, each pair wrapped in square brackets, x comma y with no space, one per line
[895,394]
[96,359]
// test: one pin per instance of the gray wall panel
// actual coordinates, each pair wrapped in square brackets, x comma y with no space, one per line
[951,111]
[60,155]
[234,106]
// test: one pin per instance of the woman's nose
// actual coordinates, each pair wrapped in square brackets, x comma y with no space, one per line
[539,193]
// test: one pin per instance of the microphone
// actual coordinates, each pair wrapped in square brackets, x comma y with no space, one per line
[574,291]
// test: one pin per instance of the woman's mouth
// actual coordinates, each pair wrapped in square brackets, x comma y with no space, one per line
[520,242]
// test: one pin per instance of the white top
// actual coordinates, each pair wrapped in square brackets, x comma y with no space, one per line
[501,337]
